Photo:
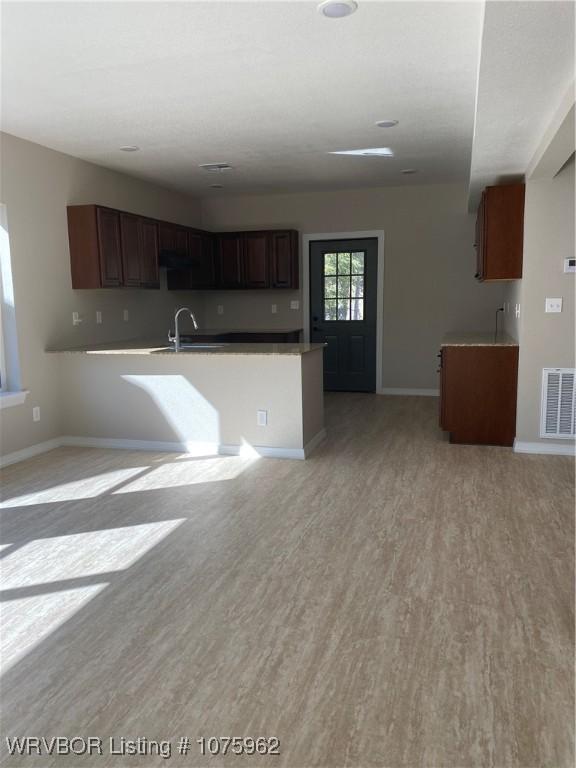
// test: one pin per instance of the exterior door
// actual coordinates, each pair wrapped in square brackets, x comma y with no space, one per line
[343,276]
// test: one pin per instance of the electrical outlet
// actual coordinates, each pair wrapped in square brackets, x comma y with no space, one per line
[553,305]
[220,309]
[36,413]
[98,317]
[76,319]
[570,264]
[274,308]
[126,315]
[262,418]
[294,304]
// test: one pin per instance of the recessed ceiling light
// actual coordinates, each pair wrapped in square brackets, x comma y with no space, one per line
[337,9]
[130,148]
[215,167]
[387,123]
[408,171]
[374,152]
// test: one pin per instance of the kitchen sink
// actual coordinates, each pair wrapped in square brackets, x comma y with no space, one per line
[200,345]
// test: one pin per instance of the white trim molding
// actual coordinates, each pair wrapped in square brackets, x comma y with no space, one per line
[8,399]
[30,452]
[191,448]
[409,392]
[552,449]
[377,234]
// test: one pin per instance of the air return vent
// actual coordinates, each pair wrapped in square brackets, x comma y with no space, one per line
[558,403]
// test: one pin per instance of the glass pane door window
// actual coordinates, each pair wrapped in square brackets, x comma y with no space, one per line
[344,275]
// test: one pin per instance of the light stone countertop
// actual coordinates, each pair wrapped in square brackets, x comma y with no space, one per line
[478,339]
[147,347]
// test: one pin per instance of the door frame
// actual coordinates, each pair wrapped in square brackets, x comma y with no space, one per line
[377,234]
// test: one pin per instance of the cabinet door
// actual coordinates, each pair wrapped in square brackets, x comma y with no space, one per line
[149,274]
[283,260]
[255,256]
[480,243]
[230,261]
[131,248]
[108,223]
[173,239]
[503,240]
[200,249]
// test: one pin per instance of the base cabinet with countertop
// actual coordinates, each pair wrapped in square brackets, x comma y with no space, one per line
[478,382]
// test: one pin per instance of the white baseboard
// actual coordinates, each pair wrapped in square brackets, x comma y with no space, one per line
[30,452]
[552,449]
[195,449]
[409,392]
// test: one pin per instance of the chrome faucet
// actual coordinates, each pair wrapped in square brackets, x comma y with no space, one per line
[176,337]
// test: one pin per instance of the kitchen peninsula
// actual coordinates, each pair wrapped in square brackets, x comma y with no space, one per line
[213,397]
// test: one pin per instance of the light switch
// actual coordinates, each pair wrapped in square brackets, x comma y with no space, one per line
[98,317]
[220,309]
[274,308]
[554,305]
[126,315]
[517,310]
[262,418]
[76,319]
[294,304]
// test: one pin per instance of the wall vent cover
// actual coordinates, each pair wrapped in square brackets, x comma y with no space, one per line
[558,414]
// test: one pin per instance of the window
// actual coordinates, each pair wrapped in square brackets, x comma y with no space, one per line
[10,387]
[344,285]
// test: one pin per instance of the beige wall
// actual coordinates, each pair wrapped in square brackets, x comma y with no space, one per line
[36,186]
[546,340]
[429,286]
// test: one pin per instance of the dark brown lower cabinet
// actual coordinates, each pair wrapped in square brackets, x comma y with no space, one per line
[478,393]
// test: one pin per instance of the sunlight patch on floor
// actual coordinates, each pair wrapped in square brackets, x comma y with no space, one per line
[85,488]
[29,620]
[81,554]
[193,472]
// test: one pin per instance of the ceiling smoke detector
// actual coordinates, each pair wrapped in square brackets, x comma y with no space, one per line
[337,9]
[408,171]
[387,123]
[215,167]
[130,148]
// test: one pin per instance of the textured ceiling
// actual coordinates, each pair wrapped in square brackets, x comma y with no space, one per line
[526,68]
[268,87]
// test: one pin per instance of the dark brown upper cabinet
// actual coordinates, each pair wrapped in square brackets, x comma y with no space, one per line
[500,233]
[112,249]
[284,259]
[149,272]
[201,270]
[229,251]
[95,247]
[202,267]
[256,259]
[131,238]
[173,238]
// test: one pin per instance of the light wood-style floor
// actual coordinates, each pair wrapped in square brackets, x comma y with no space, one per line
[393,601]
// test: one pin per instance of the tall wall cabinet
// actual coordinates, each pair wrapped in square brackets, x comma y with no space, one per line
[500,233]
